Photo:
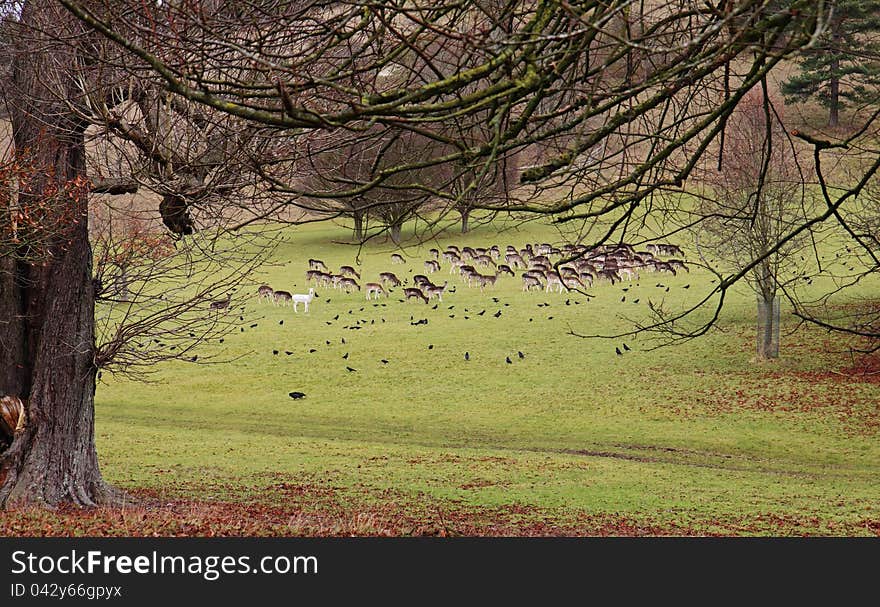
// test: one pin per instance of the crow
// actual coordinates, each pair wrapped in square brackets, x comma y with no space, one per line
[687,286]
[345,357]
[280,322]
[350,370]
[336,317]
[220,340]
[435,306]
[622,299]
[253,325]
[626,347]
[383,361]
[452,316]
[568,302]
[495,299]
[327,342]
[481,313]
[274,352]
[288,352]
[194,358]
[192,334]
[312,351]
[497,314]
[296,395]
[520,354]
[635,301]
[328,322]
[467,356]
[508,361]
[549,318]
[430,346]
[343,340]
[625,289]
[619,353]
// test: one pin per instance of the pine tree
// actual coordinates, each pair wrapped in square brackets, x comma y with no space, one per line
[839,69]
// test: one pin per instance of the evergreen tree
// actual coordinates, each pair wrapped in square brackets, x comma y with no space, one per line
[839,68]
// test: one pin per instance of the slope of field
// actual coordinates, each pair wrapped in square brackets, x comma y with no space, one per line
[568,438]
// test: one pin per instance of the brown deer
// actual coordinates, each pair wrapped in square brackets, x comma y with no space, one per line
[265,292]
[283,298]
[317,264]
[432,266]
[436,291]
[349,271]
[395,258]
[410,293]
[390,278]
[374,288]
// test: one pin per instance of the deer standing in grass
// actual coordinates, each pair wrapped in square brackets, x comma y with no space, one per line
[300,298]
[374,288]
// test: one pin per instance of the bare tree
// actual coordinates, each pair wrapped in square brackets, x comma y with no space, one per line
[755,196]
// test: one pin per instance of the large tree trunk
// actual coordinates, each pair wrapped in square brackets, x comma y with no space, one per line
[46,291]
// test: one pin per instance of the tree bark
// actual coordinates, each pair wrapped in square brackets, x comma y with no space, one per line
[465,217]
[396,229]
[358,217]
[48,336]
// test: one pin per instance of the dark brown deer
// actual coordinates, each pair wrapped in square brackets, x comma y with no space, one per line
[410,293]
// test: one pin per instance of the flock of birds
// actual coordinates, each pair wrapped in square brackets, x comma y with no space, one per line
[541,267]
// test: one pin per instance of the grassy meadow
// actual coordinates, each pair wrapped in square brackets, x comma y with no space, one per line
[572,438]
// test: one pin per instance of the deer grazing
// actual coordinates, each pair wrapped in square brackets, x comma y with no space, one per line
[265,292]
[282,297]
[530,281]
[221,304]
[348,284]
[421,280]
[410,293]
[436,291]
[349,271]
[390,278]
[374,288]
[317,264]
[485,281]
[432,266]
[395,258]
[299,298]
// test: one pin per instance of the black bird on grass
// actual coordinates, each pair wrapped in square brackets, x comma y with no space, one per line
[520,354]
[435,306]
[345,356]
[274,352]
[622,299]
[467,356]
[312,351]
[635,301]
[626,347]
[327,342]
[350,370]
[508,361]
[481,312]
[296,395]
[687,286]
[288,352]
[430,346]
[383,361]
[619,353]
[253,325]
[336,317]
[343,340]
[280,322]
[194,358]
[497,314]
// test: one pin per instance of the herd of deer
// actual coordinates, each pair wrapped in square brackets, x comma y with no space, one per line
[576,267]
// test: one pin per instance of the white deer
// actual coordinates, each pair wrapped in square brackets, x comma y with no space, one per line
[299,298]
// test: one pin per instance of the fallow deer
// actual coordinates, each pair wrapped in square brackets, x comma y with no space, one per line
[410,293]
[374,288]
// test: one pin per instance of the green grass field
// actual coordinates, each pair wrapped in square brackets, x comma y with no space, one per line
[572,438]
